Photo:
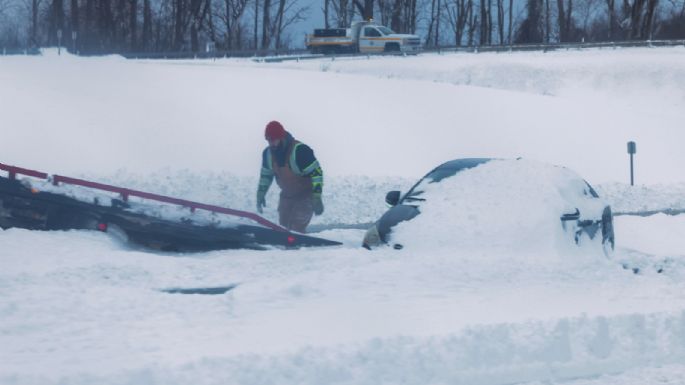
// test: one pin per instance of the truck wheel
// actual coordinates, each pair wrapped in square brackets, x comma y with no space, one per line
[392,47]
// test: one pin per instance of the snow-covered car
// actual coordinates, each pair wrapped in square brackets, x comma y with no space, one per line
[496,202]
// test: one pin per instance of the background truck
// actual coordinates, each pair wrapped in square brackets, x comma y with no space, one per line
[363,37]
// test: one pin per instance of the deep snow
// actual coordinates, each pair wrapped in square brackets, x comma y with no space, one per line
[80,307]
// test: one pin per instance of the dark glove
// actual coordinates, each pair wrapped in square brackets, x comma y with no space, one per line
[318,204]
[261,200]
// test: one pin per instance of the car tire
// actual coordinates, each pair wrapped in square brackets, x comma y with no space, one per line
[608,237]
[118,234]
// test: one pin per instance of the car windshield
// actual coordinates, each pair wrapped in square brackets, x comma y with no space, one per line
[386,30]
[445,170]
[592,191]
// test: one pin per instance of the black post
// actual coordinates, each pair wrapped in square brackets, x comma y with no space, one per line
[631,170]
[632,149]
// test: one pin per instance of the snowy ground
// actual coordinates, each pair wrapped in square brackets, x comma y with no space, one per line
[81,308]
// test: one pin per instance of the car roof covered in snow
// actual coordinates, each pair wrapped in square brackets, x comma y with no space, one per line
[452,167]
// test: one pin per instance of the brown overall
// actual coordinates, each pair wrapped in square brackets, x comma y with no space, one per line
[295,208]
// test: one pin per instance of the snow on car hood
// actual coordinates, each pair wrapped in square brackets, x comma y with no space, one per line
[511,205]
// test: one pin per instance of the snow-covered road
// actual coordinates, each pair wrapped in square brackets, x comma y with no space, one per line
[79,307]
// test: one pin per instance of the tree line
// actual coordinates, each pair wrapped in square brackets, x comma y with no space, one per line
[121,26]
[118,26]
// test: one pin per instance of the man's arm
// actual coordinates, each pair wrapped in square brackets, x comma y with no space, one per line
[266,176]
[309,165]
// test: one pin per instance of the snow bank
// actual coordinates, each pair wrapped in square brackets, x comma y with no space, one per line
[643,198]
[378,117]
[635,75]
[489,355]
[636,234]
[91,312]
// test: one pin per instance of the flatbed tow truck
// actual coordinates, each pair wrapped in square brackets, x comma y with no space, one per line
[40,201]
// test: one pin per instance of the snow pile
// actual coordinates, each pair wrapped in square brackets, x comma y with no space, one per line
[506,205]
[638,75]
[551,352]
[91,312]
[636,235]
[348,199]
[643,198]
[208,116]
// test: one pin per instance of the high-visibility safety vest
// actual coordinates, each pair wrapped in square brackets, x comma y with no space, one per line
[292,179]
[292,162]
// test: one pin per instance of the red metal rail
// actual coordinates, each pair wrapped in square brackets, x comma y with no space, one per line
[13,171]
[126,193]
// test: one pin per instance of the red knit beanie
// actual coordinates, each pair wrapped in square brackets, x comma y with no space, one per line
[274,131]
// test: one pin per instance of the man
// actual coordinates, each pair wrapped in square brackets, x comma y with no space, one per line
[297,173]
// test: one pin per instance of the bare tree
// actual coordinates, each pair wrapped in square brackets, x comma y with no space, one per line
[588,11]
[179,10]
[8,33]
[396,17]
[5,6]
[639,17]
[530,31]
[404,16]
[648,19]
[326,13]
[432,29]
[483,22]
[365,9]
[256,24]
[55,20]
[266,23]
[511,21]
[548,23]
[133,24]
[457,16]
[611,12]
[146,38]
[342,14]
[472,25]
[290,13]
[230,15]
[210,23]
[410,18]
[635,13]
[500,21]
[279,22]
[385,9]
[672,26]
[32,8]
[273,25]
[562,20]
[199,9]
[438,17]
[489,23]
